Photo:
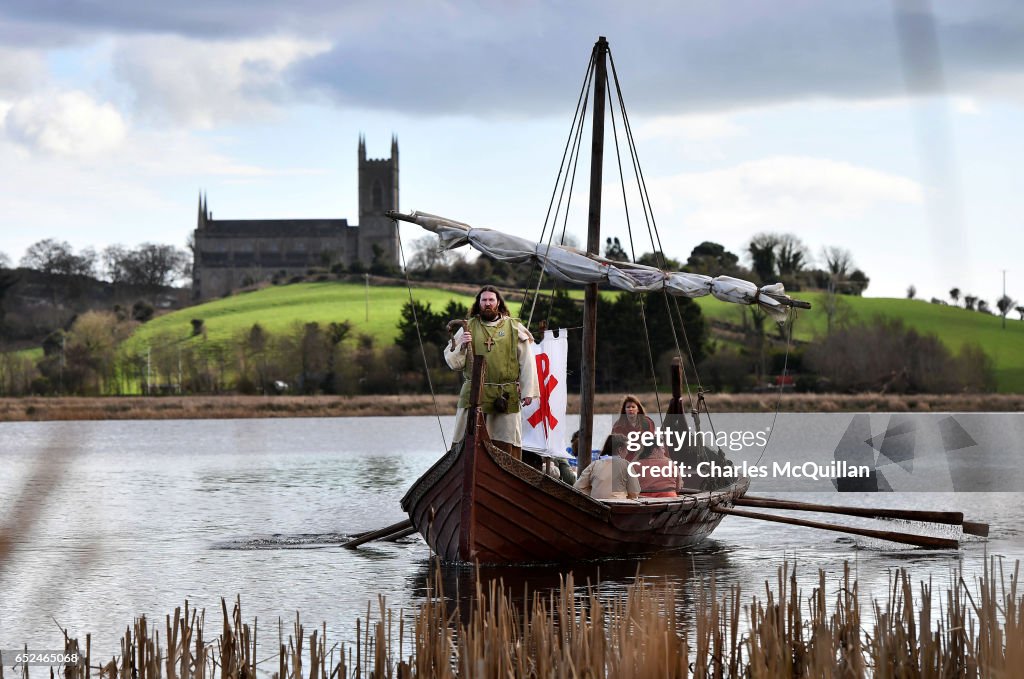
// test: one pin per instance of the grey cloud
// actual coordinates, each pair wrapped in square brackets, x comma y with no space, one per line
[526,58]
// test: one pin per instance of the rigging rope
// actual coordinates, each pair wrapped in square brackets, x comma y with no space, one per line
[419,336]
[632,252]
[573,139]
[782,384]
[652,228]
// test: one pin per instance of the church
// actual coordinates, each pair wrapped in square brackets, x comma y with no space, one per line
[233,253]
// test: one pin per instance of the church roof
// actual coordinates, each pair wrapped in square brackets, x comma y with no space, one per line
[274,227]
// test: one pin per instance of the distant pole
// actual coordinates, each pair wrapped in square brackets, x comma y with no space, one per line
[367,276]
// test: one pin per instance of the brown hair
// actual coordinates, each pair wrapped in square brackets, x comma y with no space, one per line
[502,309]
[641,413]
[613,443]
[629,398]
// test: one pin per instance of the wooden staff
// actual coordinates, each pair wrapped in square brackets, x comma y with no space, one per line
[926,541]
[948,518]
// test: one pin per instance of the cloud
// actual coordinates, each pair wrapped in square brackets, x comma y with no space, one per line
[65,123]
[206,83]
[20,70]
[782,193]
[690,128]
[492,58]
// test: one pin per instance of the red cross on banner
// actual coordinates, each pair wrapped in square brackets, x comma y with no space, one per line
[548,382]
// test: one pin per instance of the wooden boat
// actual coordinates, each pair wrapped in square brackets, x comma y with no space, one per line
[480,504]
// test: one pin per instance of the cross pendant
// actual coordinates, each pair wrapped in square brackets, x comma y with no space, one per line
[489,343]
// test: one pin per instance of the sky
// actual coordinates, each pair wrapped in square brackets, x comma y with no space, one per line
[890,128]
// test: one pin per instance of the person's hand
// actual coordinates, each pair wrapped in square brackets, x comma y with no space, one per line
[527,400]
[467,337]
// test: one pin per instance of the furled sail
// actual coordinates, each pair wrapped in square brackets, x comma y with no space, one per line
[574,266]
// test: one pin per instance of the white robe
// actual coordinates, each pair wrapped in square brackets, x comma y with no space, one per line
[505,427]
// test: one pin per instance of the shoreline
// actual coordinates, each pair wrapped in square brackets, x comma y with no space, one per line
[41,408]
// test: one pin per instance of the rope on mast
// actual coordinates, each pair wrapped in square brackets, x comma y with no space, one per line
[419,336]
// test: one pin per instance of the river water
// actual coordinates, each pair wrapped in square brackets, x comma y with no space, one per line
[117,519]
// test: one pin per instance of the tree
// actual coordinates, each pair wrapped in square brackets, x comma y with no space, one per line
[53,257]
[148,265]
[712,259]
[911,292]
[5,261]
[762,256]
[614,251]
[983,307]
[969,302]
[659,260]
[1005,304]
[1020,310]
[8,279]
[858,282]
[432,327]
[791,255]
[427,254]
[954,294]
[380,265]
[838,261]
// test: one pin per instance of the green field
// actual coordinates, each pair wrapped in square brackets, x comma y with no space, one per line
[955,326]
[278,309]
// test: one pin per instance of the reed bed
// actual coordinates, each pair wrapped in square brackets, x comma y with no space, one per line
[970,630]
[33,408]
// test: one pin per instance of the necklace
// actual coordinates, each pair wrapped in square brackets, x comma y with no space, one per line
[490,336]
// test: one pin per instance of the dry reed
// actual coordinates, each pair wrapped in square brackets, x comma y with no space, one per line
[572,633]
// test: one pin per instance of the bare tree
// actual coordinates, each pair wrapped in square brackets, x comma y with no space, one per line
[911,292]
[791,255]
[150,264]
[5,261]
[58,258]
[427,255]
[954,294]
[839,263]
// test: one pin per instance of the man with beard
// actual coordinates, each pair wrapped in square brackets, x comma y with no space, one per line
[511,379]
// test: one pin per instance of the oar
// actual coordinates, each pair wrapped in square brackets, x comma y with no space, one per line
[949,518]
[926,541]
[399,535]
[385,532]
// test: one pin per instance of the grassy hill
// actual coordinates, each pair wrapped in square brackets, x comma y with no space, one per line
[955,326]
[279,308]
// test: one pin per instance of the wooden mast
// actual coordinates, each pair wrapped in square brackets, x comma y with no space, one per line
[589,357]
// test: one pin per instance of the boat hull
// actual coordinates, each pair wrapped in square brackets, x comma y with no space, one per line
[479,504]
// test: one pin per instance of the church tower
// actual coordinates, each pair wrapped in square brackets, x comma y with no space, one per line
[378,193]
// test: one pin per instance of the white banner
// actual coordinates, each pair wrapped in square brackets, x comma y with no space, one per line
[544,419]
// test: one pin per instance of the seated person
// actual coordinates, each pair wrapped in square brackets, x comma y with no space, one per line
[664,482]
[609,478]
